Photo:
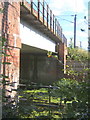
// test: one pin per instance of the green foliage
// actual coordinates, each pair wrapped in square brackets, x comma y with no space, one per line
[35,103]
[71,44]
[65,86]
[9,108]
[68,97]
[77,95]
[78,54]
[1,10]
[50,54]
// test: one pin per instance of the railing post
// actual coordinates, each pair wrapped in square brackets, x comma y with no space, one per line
[38,9]
[53,23]
[49,92]
[47,14]
[43,11]
[50,19]
[22,3]
[31,6]
[61,32]
[57,29]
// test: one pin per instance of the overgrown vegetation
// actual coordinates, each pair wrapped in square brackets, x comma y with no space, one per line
[77,93]
[67,98]
[8,104]
[78,54]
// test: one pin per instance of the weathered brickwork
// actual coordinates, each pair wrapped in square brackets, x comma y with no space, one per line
[0,37]
[62,51]
[11,31]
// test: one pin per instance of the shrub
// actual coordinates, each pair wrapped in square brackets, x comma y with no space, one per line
[75,97]
[78,54]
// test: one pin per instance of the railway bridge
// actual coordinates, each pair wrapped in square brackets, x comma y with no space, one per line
[32,31]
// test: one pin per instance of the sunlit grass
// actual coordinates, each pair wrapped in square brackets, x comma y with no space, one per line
[42,97]
[41,94]
[35,91]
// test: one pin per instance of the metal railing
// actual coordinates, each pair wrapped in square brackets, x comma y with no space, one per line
[64,39]
[43,100]
[41,10]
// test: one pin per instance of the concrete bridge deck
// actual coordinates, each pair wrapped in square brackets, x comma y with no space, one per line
[41,17]
[38,22]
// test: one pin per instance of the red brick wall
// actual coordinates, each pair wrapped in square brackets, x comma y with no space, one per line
[62,51]
[11,31]
[0,36]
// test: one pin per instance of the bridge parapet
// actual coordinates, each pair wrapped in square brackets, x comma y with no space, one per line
[64,39]
[43,18]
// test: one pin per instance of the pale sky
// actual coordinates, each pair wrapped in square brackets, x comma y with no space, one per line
[63,9]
